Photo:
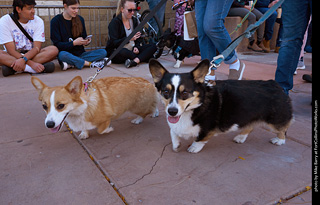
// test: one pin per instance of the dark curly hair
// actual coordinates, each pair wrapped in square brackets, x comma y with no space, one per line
[21,4]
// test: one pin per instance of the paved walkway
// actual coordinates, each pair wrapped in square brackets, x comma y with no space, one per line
[135,163]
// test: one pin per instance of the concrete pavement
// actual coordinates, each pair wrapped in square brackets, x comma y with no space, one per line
[135,164]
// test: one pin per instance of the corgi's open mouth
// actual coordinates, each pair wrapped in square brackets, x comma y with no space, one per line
[173,119]
[57,129]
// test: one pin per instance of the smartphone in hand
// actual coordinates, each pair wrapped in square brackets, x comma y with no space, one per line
[89,36]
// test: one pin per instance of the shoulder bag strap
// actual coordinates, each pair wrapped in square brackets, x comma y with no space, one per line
[21,28]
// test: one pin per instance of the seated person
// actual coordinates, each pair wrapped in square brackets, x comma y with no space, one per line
[241,9]
[21,54]
[122,26]
[69,34]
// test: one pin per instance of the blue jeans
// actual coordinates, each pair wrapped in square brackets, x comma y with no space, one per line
[78,61]
[269,23]
[212,33]
[159,13]
[295,18]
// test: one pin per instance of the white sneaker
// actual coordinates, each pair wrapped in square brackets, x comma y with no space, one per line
[237,74]
[106,59]
[301,65]
[65,66]
[98,64]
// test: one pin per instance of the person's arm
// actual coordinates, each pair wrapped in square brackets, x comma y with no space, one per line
[56,32]
[115,33]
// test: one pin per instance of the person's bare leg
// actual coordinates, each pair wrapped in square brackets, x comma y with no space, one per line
[6,59]
[46,54]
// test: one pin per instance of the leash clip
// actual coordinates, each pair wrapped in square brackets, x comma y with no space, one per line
[215,64]
[91,78]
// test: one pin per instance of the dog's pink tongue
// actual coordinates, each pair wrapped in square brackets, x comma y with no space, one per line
[173,120]
[55,130]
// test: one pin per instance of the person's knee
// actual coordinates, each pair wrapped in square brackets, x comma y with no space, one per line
[102,53]
[62,55]
[54,51]
[51,51]
[214,27]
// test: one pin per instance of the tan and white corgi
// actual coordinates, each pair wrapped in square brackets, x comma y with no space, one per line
[103,100]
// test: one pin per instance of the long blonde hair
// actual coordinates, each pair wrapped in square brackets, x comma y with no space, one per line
[121,3]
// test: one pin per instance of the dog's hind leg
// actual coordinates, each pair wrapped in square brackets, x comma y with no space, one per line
[280,139]
[281,134]
[241,138]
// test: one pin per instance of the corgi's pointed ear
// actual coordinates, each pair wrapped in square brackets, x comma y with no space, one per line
[38,84]
[157,70]
[200,72]
[74,87]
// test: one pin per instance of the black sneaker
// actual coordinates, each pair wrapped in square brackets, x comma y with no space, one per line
[307,78]
[48,67]
[130,63]
[6,71]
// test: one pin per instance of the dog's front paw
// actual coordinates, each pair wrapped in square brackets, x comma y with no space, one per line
[84,135]
[155,113]
[108,130]
[175,147]
[178,64]
[196,147]
[137,120]
[240,138]
[277,141]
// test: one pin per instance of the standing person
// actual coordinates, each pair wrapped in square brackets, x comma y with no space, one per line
[212,34]
[22,54]
[68,33]
[178,25]
[159,13]
[294,28]
[119,29]
[263,6]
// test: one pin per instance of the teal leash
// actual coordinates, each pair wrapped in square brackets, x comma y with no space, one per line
[217,60]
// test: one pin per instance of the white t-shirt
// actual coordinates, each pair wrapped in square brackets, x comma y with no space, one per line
[10,32]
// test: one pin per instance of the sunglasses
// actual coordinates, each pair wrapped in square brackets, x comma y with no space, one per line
[131,10]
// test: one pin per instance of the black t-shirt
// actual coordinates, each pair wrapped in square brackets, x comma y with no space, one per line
[61,34]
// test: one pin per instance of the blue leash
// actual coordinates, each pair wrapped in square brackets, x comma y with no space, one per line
[217,60]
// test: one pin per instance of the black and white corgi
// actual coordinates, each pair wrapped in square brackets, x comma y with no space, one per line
[200,110]
[181,48]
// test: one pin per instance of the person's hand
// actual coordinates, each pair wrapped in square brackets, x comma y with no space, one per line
[19,65]
[38,67]
[191,2]
[272,3]
[247,7]
[136,36]
[135,50]
[80,41]
[88,41]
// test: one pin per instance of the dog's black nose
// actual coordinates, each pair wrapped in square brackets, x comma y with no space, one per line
[172,111]
[50,124]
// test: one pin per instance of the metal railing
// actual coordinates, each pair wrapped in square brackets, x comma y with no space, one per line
[97,19]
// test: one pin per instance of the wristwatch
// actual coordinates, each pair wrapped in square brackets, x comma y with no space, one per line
[24,58]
